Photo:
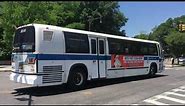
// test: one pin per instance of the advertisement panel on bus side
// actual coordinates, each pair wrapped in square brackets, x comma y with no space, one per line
[126,61]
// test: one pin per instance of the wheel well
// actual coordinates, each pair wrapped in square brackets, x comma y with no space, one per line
[155,65]
[79,65]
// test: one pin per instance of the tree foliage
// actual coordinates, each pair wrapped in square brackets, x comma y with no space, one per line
[142,36]
[106,12]
[168,35]
[75,14]
[176,43]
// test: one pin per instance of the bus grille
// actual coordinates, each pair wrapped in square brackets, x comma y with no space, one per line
[52,74]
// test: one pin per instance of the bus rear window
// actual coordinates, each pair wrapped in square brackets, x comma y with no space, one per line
[24,39]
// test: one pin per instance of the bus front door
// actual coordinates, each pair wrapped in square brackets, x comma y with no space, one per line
[101,58]
[98,63]
[94,64]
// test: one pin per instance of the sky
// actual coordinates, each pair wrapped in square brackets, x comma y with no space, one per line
[144,16]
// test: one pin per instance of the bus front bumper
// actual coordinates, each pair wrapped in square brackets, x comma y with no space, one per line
[32,80]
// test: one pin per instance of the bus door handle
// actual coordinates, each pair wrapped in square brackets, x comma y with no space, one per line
[94,61]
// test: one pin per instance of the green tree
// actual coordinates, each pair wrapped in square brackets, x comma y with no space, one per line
[105,16]
[159,33]
[65,14]
[142,36]
[1,42]
[68,15]
[15,14]
[176,42]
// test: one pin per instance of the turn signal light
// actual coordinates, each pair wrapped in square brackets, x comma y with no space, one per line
[31,61]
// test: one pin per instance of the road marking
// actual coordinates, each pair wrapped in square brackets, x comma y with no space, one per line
[174,93]
[155,102]
[182,87]
[172,99]
[165,95]
[175,90]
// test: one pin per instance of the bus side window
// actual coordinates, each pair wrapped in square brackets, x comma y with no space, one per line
[76,42]
[144,49]
[116,46]
[126,50]
[93,46]
[127,47]
[101,46]
[152,49]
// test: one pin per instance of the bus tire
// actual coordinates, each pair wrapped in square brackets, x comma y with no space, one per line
[77,78]
[153,70]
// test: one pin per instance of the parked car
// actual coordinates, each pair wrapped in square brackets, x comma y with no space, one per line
[182,60]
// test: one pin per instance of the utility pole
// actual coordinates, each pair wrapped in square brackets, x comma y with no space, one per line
[91,19]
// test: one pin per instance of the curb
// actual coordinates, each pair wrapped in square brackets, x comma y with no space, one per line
[5,70]
[170,66]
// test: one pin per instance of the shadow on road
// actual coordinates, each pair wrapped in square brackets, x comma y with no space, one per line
[61,89]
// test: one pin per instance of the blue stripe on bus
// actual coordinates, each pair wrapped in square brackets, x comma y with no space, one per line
[151,58]
[77,57]
[69,57]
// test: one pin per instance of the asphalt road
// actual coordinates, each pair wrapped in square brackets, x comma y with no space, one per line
[130,90]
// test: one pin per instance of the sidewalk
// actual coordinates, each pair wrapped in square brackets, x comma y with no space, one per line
[170,66]
[175,65]
[168,63]
[5,68]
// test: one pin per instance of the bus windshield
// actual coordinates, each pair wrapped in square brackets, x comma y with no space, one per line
[24,39]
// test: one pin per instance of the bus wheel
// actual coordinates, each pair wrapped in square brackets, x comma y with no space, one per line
[77,79]
[153,70]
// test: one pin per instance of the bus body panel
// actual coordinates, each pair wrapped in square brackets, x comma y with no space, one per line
[132,71]
[91,73]
[53,64]
[52,70]
[125,73]
[53,46]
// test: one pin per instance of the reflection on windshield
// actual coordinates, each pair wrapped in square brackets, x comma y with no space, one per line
[24,40]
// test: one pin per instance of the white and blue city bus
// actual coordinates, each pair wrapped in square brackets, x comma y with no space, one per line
[46,55]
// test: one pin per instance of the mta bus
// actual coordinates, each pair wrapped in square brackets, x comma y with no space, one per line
[45,55]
